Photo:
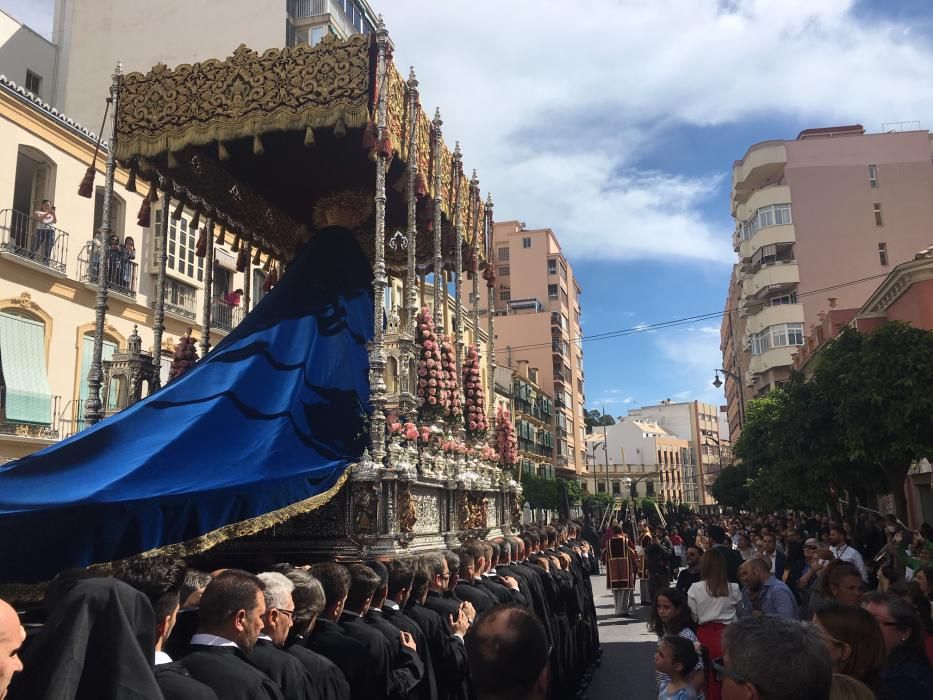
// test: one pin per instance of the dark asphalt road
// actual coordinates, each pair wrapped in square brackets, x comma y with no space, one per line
[627,670]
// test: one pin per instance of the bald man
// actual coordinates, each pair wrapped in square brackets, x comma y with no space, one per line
[12,636]
[507,653]
[763,593]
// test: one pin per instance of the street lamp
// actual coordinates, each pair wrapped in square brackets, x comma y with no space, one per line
[717,382]
[595,468]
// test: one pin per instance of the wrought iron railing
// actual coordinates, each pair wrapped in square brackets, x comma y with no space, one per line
[41,431]
[122,271]
[224,315]
[24,236]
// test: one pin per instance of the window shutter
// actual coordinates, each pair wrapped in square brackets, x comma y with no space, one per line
[22,355]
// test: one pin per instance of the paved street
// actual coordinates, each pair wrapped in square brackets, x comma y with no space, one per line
[627,671]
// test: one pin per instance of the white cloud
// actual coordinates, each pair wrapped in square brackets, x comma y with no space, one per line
[555,109]
[693,354]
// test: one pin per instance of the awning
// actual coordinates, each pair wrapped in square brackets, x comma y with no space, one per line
[225,259]
[26,381]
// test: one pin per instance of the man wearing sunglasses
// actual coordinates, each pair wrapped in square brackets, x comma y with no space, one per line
[758,651]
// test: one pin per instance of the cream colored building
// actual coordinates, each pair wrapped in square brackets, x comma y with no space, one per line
[27,58]
[537,303]
[48,279]
[638,455]
[93,34]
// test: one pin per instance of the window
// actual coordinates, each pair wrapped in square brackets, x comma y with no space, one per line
[552,266]
[33,82]
[878,220]
[771,215]
[503,271]
[616,488]
[503,254]
[526,242]
[783,299]
[552,291]
[505,293]
[601,487]
[649,488]
[26,395]
[563,272]
[256,292]
[182,244]
[780,335]
[873,176]
[883,254]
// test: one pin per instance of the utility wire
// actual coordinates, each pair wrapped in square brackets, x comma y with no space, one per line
[644,328]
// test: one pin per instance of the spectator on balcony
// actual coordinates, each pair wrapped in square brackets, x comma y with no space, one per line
[234,298]
[115,261]
[128,255]
[45,231]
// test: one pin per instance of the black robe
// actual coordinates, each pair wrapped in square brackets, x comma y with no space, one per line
[177,684]
[447,650]
[98,643]
[481,599]
[400,666]
[328,681]
[427,689]
[329,640]
[229,672]
[284,669]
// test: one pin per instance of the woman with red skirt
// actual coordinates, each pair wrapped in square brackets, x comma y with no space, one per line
[712,601]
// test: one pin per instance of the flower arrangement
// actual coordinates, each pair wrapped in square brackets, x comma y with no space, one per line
[407,431]
[432,389]
[449,366]
[476,425]
[506,442]
[489,454]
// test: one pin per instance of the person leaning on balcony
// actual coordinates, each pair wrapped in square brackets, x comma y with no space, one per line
[45,231]
[128,255]
[234,298]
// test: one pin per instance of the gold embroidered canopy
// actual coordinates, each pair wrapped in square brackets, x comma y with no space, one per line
[261,139]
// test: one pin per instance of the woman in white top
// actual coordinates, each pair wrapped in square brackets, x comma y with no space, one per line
[712,601]
[45,231]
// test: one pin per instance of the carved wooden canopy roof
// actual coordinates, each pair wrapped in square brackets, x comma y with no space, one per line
[258,140]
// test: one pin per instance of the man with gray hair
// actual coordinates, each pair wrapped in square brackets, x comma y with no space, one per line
[308,596]
[268,656]
[773,658]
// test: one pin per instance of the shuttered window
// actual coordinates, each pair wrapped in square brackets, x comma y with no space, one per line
[27,397]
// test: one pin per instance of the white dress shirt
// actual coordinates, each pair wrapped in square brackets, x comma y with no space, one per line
[162,658]
[211,640]
[851,555]
[706,608]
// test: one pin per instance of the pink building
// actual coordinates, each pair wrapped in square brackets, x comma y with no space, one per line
[538,321]
[814,216]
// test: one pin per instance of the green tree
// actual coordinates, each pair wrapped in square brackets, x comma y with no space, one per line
[540,493]
[594,418]
[879,386]
[731,487]
[574,491]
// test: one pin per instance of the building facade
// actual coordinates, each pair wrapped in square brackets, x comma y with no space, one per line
[640,458]
[92,35]
[28,58]
[533,420]
[834,209]
[537,306]
[698,423]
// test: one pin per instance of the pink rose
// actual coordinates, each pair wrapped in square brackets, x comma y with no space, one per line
[432,400]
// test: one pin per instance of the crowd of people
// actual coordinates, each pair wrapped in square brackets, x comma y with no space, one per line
[784,606]
[508,618]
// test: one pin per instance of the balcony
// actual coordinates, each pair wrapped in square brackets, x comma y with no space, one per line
[771,235]
[560,347]
[773,315]
[532,305]
[224,315]
[24,240]
[763,164]
[775,357]
[122,273]
[46,433]
[771,277]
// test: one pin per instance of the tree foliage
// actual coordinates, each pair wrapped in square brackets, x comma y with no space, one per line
[539,492]
[595,418]
[857,425]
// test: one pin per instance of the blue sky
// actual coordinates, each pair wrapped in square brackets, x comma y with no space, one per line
[616,123]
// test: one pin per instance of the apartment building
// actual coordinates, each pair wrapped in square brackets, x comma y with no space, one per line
[27,58]
[698,423]
[92,35]
[820,218]
[640,458]
[533,418]
[537,306]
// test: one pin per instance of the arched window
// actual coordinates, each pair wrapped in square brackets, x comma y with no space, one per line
[35,179]
[25,396]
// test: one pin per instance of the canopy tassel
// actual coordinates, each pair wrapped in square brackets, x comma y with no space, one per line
[172,161]
[340,128]
[222,153]
[131,180]
[201,248]
[258,150]
[309,136]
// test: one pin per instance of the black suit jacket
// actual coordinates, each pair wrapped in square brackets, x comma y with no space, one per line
[284,669]
[397,670]
[473,593]
[328,681]
[176,683]
[427,689]
[441,605]
[733,561]
[228,671]
[329,640]
[447,650]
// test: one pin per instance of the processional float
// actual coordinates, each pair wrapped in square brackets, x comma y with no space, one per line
[322,425]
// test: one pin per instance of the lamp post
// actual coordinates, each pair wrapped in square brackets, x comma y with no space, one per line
[717,382]
[595,476]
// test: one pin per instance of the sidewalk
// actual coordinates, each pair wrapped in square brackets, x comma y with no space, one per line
[627,670]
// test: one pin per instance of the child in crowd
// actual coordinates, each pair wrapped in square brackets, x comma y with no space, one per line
[676,657]
[671,617]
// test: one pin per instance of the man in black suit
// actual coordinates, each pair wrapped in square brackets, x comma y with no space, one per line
[508,655]
[308,596]
[505,589]
[329,639]
[436,600]
[719,538]
[398,667]
[387,613]
[268,656]
[444,633]
[229,623]
[467,588]
[160,578]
